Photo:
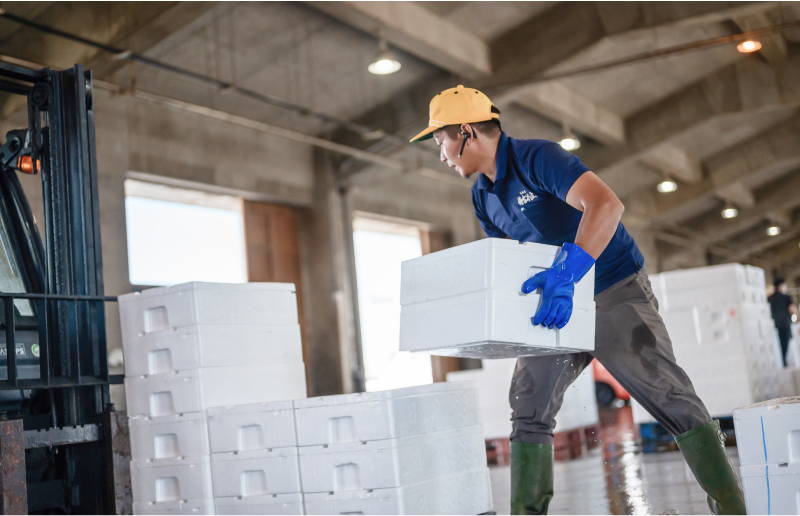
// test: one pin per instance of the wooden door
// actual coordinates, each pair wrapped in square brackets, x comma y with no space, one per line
[271,234]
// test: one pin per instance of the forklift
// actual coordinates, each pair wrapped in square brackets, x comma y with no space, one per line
[58,428]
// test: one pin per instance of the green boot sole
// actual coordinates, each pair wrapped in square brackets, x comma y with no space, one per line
[531,478]
[704,450]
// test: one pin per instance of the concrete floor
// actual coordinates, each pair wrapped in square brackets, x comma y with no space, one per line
[617,478]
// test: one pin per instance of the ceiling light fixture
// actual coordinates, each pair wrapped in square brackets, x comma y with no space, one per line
[569,142]
[667,186]
[385,61]
[773,230]
[729,212]
[745,47]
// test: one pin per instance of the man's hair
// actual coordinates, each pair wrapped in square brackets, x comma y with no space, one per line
[487,128]
[779,281]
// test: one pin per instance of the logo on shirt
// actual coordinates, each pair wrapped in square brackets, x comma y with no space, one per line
[525,197]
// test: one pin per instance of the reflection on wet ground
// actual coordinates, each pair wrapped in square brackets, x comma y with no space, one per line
[617,478]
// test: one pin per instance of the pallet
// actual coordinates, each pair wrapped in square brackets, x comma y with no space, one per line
[567,445]
[655,438]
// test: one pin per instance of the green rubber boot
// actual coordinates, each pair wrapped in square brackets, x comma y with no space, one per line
[704,450]
[531,478]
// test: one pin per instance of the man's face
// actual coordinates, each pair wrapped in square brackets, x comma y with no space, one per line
[783,288]
[448,153]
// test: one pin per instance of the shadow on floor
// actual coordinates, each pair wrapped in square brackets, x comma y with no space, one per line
[617,478]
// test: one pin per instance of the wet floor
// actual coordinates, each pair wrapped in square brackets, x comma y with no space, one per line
[617,478]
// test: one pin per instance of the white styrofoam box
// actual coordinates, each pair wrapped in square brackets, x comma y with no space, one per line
[768,432]
[167,480]
[265,504]
[200,389]
[255,473]
[492,324]
[724,295]
[391,462]
[258,426]
[465,493]
[771,488]
[467,301]
[177,435]
[708,277]
[578,410]
[491,263]
[175,507]
[210,345]
[162,308]
[371,416]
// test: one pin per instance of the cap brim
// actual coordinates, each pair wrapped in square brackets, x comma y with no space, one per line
[427,134]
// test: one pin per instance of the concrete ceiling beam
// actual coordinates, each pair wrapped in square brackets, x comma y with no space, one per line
[674,162]
[730,174]
[557,102]
[783,196]
[737,194]
[413,29]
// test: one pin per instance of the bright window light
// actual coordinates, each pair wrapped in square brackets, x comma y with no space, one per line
[174,242]
[378,257]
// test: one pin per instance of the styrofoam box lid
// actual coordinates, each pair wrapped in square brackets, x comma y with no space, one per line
[203,285]
[364,397]
[171,418]
[175,507]
[272,453]
[777,407]
[273,406]
[457,434]
[760,470]
[270,499]
[491,263]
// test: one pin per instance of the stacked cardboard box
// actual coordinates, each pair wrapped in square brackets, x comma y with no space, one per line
[466,301]
[192,348]
[417,450]
[768,437]
[722,334]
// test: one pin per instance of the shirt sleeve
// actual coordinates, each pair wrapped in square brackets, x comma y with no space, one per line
[556,170]
[489,228]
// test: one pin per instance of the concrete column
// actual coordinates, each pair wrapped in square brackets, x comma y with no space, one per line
[330,302]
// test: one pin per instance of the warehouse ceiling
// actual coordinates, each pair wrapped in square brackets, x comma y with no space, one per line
[723,125]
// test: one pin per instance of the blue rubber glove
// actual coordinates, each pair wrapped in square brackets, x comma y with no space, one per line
[558,286]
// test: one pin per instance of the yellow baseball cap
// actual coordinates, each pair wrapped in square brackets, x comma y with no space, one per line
[457,105]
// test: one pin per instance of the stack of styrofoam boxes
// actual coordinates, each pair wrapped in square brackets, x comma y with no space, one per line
[190,348]
[768,437]
[721,330]
[254,459]
[417,450]
[466,301]
[578,410]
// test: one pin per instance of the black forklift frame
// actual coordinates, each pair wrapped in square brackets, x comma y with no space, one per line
[65,438]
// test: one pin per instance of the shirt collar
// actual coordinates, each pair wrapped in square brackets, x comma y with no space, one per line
[501,161]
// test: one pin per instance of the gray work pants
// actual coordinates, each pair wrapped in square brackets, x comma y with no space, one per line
[631,341]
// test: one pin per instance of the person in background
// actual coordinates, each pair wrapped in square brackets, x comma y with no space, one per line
[782,310]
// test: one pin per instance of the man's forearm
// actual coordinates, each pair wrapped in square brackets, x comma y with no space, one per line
[598,225]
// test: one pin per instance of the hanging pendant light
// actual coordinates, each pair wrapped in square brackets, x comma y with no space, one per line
[385,61]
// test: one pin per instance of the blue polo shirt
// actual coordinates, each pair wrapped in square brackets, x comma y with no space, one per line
[527,202]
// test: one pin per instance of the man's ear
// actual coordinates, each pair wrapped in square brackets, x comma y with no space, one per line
[468,129]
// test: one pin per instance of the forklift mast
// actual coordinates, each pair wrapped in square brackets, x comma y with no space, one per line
[56,419]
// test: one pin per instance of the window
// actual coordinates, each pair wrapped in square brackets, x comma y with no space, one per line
[176,235]
[380,247]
